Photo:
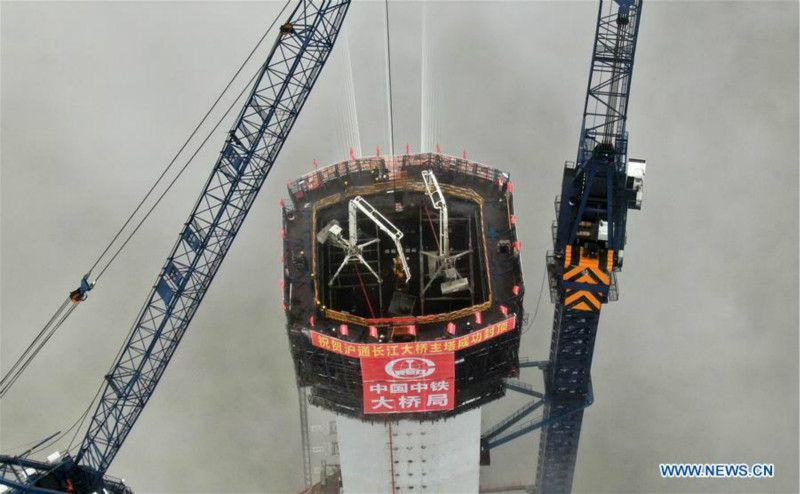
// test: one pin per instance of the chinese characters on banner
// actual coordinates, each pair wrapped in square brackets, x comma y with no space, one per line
[408,384]
[409,377]
[419,348]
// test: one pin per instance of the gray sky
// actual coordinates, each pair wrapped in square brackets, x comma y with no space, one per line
[697,362]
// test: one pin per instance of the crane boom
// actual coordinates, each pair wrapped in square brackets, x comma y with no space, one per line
[250,150]
[247,157]
[589,237]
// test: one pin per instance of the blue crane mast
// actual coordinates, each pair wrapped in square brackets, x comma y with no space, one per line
[597,191]
[281,88]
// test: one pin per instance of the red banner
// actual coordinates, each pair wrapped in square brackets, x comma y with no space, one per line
[408,384]
[419,348]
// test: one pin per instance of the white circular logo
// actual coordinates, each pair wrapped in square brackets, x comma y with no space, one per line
[410,368]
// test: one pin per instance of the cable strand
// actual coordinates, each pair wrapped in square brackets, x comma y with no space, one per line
[188,139]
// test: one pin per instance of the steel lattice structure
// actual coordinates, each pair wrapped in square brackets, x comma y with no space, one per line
[603,146]
[597,191]
[279,93]
[588,236]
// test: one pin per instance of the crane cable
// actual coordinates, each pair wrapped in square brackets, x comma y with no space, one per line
[36,345]
[174,159]
[64,311]
[538,301]
[389,82]
[122,347]
[364,290]
[394,171]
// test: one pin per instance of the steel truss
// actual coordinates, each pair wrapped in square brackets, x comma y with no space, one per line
[247,157]
[588,239]
[279,93]
[594,197]
[603,146]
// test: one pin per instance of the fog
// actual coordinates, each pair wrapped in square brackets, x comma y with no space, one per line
[696,362]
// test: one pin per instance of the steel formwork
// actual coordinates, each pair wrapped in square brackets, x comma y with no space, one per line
[335,380]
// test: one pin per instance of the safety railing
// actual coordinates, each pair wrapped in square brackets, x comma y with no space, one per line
[395,167]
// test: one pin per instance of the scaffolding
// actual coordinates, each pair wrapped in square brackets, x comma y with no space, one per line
[358,308]
[335,381]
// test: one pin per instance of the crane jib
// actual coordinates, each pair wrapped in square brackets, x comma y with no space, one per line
[278,95]
[589,234]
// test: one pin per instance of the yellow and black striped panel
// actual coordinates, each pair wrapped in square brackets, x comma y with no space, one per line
[582,300]
[586,280]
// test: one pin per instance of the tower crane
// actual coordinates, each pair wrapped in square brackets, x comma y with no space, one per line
[281,89]
[589,237]
[589,234]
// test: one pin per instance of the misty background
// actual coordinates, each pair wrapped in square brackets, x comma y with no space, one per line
[696,362]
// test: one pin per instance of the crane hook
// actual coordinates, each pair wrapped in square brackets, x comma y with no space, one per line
[82,292]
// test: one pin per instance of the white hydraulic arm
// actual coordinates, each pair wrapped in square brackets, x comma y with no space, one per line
[445,263]
[384,224]
[355,252]
[437,198]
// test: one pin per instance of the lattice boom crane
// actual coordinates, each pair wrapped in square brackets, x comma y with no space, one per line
[279,93]
[589,234]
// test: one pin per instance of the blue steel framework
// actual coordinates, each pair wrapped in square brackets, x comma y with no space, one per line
[588,240]
[595,190]
[581,268]
[252,146]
